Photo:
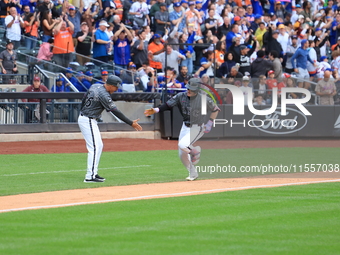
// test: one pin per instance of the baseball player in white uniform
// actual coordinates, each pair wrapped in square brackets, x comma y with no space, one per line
[95,101]
[193,128]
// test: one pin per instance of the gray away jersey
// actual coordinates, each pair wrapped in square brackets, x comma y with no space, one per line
[190,107]
[95,101]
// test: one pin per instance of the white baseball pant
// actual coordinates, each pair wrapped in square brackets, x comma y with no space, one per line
[187,137]
[94,144]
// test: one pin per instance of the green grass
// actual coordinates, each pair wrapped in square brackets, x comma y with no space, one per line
[286,220]
[48,172]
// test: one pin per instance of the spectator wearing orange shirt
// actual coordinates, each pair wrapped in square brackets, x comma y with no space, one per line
[239,3]
[194,17]
[155,47]
[31,24]
[219,53]
[119,8]
[63,42]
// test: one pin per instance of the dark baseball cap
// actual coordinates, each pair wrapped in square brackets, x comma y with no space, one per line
[114,80]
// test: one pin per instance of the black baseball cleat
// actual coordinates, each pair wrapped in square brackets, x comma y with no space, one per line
[99,177]
[93,180]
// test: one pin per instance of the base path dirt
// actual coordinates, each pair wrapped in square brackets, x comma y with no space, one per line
[156,190]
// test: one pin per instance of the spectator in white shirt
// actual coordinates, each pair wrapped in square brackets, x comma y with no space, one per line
[14,23]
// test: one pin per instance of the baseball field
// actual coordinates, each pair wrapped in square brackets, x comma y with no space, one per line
[146,207]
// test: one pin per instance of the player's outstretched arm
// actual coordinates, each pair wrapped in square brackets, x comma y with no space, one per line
[133,123]
[161,108]
[136,126]
[149,112]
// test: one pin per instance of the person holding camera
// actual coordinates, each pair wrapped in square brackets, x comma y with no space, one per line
[131,76]
[31,25]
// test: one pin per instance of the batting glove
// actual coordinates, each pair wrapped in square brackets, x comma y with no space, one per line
[208,126]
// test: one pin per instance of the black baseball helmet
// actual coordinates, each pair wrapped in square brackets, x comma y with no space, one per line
[114,80]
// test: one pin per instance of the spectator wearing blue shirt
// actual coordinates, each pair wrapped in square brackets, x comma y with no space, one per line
[29,3]
[122,47]
[79,84]
[257,8]
[87,80]
[202,8]
[207,65]
[334,30]
[70,77]
[250,14]
[187,50]
[177,17]
[255,24]
[233,32]
[301,56]
[272,6]
[170,82]
[59,86]
[101,44]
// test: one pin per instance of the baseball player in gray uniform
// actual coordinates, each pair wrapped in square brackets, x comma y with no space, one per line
[95,101]
[193,128]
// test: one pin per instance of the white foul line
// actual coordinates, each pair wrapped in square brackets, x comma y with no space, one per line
[67,171]
[166,195]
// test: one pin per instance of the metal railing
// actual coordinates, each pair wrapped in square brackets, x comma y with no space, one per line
[56,112]
[14,78]
[52,107]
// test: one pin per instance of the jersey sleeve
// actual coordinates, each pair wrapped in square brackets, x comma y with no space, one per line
[173,101]
[107,102]
[211,105]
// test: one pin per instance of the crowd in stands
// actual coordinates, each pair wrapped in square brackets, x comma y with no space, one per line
[261,44]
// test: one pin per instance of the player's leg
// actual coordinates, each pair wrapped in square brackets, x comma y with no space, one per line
[186,151]
[196,133]
[183,151]
[94,145]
